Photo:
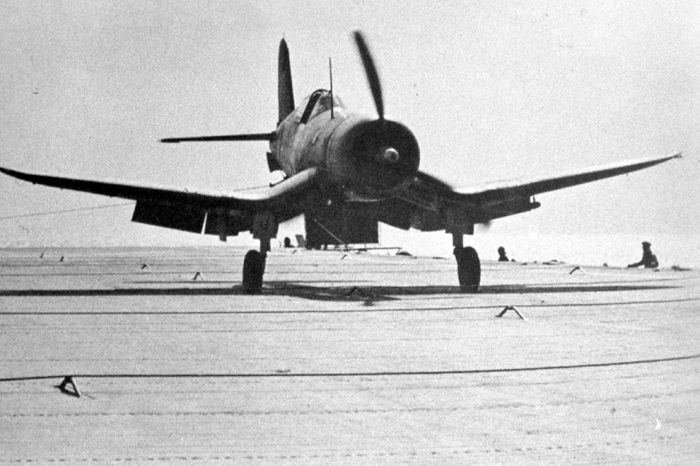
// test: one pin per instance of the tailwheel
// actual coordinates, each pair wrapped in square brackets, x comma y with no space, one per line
[468,269]
[253,270]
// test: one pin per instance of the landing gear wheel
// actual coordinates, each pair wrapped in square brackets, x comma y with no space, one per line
[253,270]
[468,269]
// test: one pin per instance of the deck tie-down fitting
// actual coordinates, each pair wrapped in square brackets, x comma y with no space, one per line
[66,381]
[510,308]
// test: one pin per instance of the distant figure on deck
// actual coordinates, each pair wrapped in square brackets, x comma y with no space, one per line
[502,254]
[648,259]
[287,242]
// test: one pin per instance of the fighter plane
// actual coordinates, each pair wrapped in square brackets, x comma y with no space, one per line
[345,172]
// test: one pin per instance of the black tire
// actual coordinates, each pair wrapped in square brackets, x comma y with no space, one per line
[468,269]
[253,270]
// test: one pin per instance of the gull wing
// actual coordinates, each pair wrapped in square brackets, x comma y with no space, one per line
[223,213]
[532,186]
[481,204]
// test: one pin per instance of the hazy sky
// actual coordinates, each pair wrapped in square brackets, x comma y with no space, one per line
[492,90]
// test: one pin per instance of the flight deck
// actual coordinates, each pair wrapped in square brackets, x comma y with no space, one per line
[157,356]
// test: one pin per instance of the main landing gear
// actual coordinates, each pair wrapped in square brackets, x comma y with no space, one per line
[264,228]
[253,271]
[468,266]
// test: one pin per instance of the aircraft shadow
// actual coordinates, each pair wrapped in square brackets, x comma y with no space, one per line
[359,293]
[391,293]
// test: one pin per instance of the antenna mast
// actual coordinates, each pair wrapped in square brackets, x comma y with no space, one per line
[330,71]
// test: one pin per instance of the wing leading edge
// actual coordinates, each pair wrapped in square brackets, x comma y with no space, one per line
[532,186]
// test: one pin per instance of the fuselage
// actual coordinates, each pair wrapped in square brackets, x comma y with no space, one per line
[362,159]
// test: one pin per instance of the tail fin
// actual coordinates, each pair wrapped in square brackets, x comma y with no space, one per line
[285,90]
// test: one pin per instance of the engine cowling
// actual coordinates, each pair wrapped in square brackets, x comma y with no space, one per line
[371,160]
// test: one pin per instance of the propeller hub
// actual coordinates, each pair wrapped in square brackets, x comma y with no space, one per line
[389,155]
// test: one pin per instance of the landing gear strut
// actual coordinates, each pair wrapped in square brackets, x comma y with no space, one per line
[264,229]
[468,266]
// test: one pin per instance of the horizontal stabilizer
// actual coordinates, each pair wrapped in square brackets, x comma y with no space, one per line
[226,137]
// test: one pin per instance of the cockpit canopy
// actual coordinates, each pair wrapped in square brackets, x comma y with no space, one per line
[316,103]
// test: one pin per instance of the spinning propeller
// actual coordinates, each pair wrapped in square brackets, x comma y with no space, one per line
[371,72]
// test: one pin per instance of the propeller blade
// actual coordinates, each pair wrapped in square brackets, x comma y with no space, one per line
[371,72]
[229,137]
